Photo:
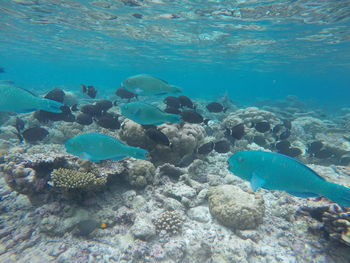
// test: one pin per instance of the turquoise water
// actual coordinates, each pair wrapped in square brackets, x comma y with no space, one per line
[248,49]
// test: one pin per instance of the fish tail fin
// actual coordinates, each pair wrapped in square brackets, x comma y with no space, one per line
[337,193]
[176,89]
[51,106]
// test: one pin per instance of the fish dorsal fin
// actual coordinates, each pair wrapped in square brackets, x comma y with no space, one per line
[256,182]
[302,164]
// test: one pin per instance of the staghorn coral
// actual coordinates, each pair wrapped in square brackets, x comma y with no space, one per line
[170,222]
[336,222]
[69,178]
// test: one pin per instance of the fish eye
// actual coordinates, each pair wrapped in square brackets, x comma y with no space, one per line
[240,159]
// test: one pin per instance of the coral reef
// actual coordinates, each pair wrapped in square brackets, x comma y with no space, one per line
[184,140]
[71,179]
[139,173]
[169,222]
[236,208]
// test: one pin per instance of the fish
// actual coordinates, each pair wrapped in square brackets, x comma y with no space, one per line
[172,102]
[191,116]
[15,99]
[19,126]
[285,135]
[222,146]
[85,227]
[216,107]
[56,95]
[34,134]
[89,90]
[262,126]
[236,131]
[91,109]
[186,102]
[259,140]
[172,110]
[147,85]
[137,15]
[97,147]
[274,171]
[84,119]
[2,70]
[205,148]
[45,116]
[144,113]
[109,121]
[315,147]
[157,136]
[104,105]
[125,94]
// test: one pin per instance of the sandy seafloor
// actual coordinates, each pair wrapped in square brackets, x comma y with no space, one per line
[42,231]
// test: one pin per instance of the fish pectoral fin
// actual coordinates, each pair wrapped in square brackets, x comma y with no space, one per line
[256,182]
[303,194]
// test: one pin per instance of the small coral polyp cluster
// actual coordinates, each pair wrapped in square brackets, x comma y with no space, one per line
[337,223]
[170,222]
[69,178]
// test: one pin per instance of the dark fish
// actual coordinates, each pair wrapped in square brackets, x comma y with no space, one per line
[157,136]
[90,109]
[137,15]
[186,102]
[236,132]
[222,146]
[85,227]
[294,152]
[283,146]
[262,126]
[287,124]
[74,107]
[324,154]
[205,148]
[45,116]
[56,95]
[344,160]
[215,107]
[172,102]
[84,119]
[172,110]
[186,160]
[34,134]
[277,128]
[191,116]
[109,121]
[125,94]
[259,140]
[19,124]
[285,135]
[2,70]
[104,105]
[89,90]
[315,147]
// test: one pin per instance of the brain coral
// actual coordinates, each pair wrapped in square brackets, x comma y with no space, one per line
[235,208]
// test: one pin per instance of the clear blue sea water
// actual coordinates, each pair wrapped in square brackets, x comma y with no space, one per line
[247,49]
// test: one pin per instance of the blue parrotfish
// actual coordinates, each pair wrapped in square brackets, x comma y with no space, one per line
[15,99]
[97,147]
[273,171]
[146,114]
[148,85]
